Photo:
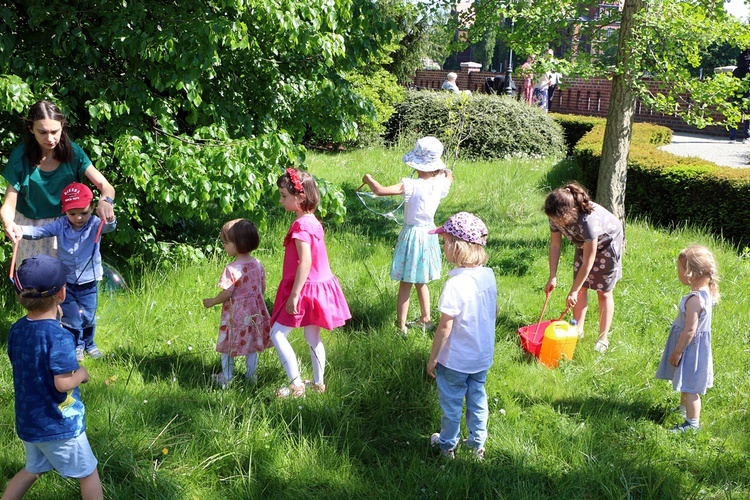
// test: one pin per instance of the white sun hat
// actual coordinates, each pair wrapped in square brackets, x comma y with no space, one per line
[426,154]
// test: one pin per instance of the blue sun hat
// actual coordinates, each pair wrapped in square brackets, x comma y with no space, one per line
[425,156]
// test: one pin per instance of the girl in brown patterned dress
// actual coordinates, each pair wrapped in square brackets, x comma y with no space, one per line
[598,237]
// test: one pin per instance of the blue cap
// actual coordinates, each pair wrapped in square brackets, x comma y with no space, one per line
[40,276]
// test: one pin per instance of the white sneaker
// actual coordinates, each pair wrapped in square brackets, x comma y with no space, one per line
[435,443]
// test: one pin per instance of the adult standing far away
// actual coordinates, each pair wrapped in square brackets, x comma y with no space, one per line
[554,77]
[38,170]
[527,70]
[743,67]
[598,237]
[450,82]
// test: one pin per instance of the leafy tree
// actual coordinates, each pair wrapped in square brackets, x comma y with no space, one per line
[663,39]
[190,108]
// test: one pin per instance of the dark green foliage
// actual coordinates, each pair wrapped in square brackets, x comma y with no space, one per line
[672,190]
[191,109]
[483,126]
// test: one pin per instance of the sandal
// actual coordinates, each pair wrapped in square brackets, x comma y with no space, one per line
[312,386]
[426,326]
[295,391]
[601,346]
[401,332]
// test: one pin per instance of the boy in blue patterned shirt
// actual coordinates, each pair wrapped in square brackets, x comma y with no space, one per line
[46,375]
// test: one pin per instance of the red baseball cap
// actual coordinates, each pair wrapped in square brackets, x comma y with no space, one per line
[76,195]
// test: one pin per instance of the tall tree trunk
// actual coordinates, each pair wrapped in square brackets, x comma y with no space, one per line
[613,169]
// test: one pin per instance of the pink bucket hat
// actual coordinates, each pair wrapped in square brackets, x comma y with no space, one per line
[426,155]
[464,226]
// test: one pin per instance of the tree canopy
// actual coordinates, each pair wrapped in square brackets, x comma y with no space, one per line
[192,108]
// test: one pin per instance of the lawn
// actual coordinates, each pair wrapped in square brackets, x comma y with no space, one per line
[593,428]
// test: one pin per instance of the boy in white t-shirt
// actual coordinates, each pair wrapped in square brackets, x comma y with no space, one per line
[464,341]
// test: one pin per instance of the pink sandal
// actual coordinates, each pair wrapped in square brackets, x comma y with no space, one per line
[295,391]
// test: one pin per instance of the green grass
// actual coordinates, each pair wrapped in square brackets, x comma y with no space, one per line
[593,428]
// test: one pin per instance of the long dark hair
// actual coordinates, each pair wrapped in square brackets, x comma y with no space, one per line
[567,202]
[45,110]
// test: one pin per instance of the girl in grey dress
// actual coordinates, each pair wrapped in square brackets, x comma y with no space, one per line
[687,360]
[598,237]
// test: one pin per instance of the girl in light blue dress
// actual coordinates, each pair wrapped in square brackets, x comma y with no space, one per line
[687,360]
[417,259]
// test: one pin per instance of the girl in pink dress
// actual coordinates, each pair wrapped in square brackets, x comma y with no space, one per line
[245,323]
[309,295]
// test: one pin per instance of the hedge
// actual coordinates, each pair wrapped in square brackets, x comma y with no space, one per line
[487,127]
[669,190]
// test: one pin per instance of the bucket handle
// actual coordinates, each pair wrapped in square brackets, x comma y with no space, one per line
[544,308]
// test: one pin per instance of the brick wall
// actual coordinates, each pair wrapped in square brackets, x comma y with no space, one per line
[588,97]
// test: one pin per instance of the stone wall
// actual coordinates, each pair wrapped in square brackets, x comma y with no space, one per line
[588,97]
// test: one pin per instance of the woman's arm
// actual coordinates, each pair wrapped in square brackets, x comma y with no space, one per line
[8,212]
[438,341]
[379,190]
[554,259]
[692,312]
[103,208]
[589,256]
[300,277]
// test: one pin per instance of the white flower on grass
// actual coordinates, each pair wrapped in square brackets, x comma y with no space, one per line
[502,411]
[145,401]
[190,348]
[169,342]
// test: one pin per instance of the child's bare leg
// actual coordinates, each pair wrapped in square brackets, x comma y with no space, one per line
[91,487]
[692,405]
[19,485]
[579,311]
[606,312]
[402,306]
[423,294]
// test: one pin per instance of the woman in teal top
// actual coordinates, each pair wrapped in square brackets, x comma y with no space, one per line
[37,172]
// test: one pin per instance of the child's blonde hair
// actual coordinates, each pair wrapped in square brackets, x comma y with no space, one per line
[466,254]
[699,261]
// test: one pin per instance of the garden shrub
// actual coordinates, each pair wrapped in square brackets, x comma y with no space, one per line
[672,190]
[479,126]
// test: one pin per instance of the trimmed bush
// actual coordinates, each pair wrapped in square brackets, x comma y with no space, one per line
[479,126]
[672,190]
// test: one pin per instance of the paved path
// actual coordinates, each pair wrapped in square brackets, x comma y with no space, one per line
[718,150]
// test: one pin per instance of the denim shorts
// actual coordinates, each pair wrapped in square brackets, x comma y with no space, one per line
[70,457]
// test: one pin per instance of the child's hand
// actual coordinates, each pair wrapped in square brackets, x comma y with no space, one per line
[572,299]
[431,365]
[207,303]
[291,305]
[84,374]
[675,358]
[551,284]
[367,179]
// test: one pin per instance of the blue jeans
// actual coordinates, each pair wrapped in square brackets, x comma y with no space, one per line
[79,313]
[452,387]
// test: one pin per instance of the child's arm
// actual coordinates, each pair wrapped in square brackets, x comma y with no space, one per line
[220,298]
[692,311]
[554,260]
[441,336]
[68,381]
[589,256]
[37,232]
[300,277]
[377,189]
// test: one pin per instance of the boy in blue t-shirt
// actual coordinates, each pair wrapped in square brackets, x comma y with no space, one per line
[46,375]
